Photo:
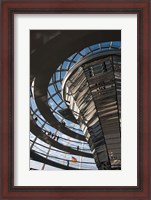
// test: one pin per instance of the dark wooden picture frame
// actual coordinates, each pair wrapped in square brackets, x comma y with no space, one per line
[11,7]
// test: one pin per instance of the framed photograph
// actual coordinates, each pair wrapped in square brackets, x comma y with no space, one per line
[75,84]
